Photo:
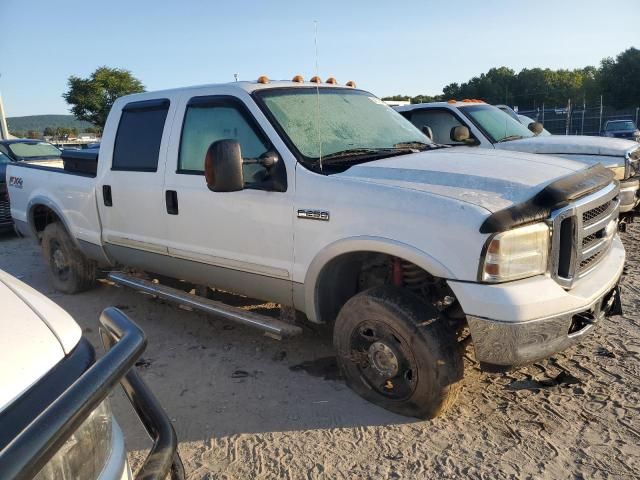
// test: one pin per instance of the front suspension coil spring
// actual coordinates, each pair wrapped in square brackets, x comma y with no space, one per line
[413,277]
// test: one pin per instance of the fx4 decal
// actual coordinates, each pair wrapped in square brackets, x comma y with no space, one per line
[15,182]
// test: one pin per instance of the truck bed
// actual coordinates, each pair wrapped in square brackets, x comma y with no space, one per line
[70,192]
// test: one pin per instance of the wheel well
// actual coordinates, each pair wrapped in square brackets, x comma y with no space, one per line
[348,274]
[42,216]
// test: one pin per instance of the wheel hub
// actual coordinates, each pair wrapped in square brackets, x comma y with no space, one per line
[383,359]
[59,260]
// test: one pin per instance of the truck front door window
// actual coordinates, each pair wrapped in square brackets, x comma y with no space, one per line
[441,123]
[206,124]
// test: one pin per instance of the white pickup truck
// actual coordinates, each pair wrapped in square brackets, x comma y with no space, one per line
[55,419]
[475,123]
[323,198]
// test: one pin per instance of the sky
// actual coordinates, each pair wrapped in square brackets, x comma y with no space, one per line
[388,48]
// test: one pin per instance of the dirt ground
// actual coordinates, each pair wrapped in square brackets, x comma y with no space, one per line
[246,406]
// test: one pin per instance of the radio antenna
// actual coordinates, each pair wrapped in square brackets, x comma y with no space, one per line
[315,22]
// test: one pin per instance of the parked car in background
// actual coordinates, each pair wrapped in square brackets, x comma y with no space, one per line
[25,149]
[621,129]
[16,150]
[474,123]
[6,223]
[55,418]
[354,218]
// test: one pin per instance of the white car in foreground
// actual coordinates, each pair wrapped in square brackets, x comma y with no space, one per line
[55,419]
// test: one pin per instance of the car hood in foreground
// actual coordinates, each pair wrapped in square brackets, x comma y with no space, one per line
[488,178]
[571,145]
[35,334]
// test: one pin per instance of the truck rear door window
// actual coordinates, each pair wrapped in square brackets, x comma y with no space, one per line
[210,119]
[137,144]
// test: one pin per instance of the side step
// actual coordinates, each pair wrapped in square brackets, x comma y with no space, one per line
[271,326]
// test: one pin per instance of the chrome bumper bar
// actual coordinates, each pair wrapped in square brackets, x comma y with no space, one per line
[500,346]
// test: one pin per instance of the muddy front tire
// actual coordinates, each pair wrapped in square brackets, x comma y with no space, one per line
[396,352]
[70,271]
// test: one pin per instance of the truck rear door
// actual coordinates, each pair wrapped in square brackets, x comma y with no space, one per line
[130,188]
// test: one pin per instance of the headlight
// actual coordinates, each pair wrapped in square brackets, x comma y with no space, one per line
[518,253]
[618,172]
[86,452]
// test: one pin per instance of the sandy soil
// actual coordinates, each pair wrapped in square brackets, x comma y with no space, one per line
[246,406]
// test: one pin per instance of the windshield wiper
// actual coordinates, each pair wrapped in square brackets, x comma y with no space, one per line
[510,137]
[357,154]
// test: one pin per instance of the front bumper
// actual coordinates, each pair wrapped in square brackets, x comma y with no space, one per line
[629,198]
[520,322]
[502,345]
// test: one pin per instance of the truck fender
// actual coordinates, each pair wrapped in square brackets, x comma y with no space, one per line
[47,202]
[362,244]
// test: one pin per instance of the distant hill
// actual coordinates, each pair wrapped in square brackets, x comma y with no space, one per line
[40,122]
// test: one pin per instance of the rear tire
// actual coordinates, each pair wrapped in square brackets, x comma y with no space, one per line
[396,352]
[70,271]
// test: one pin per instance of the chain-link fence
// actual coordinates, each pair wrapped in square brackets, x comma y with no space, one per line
[579,119]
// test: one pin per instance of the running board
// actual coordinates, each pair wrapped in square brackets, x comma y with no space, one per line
[271,326]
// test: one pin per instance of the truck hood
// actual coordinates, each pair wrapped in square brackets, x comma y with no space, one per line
[488,178]
[570,145]
[35,334]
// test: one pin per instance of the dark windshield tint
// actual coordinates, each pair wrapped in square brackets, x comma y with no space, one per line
[33,150]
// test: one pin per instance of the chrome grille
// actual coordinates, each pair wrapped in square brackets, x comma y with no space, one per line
[582,233]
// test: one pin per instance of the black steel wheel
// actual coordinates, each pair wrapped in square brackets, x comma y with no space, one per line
[70,271]
[395,352]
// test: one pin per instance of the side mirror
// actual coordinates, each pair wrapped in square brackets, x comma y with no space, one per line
[460,134]
[536,127]
[426,129]
[223,166]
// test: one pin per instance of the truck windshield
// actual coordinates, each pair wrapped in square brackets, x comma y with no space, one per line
[26,151]
[337,122]
[497,125]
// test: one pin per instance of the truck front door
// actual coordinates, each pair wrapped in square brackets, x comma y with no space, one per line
[240,241]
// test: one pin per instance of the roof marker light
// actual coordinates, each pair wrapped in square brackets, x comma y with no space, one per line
[263,79]
[298,79]
[315,79]
[453,100]
[332,81]
[351,84]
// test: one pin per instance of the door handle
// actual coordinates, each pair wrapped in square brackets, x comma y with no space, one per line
[106,195]
[171,197]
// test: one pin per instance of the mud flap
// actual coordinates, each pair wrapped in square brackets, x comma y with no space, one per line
[612,304]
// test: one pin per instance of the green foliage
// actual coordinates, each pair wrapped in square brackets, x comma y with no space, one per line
[42,122]
[91,98]
[616,80]
[620,78]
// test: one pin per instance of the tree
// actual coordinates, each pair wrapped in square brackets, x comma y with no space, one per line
[34,134]
[92,98]
[619,79]
[49,132]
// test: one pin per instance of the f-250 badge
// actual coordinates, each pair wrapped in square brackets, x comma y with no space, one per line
[15,182]
[313,214]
